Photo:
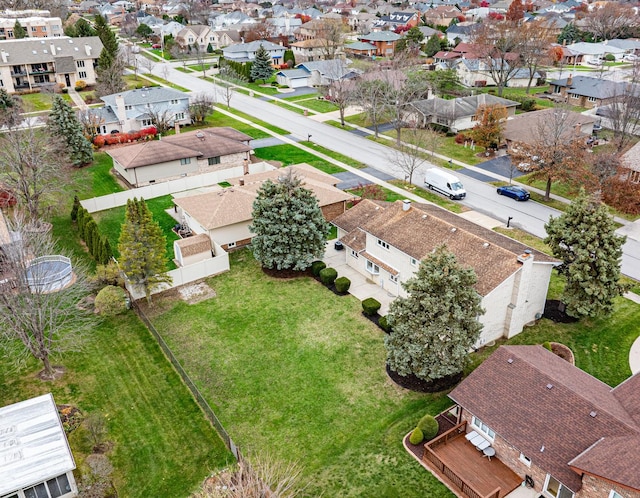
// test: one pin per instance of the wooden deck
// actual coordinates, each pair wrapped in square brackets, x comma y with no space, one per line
[469,472]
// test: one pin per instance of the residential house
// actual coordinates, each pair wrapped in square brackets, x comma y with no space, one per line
[245,52]
[319,28]
[224,38]
[593,52]
[225,215]
[631,162]
[629,45]
[456,114]
[293,78]
[361,49]
[585,91]
[477,73]
[362,22]
[180,155]
[32,63]
[36,458]
[386,242]
[384,41]
[36,26]
[317,49]
[134,110]
[529,126]
[549,424]
[397,20]
[316,73]
[198,35]
[442,15]
[461,32]
[284,26]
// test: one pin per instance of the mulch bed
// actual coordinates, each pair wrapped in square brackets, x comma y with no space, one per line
[413,383]
[272,272]
[563,352]
[554,310]
[444,424]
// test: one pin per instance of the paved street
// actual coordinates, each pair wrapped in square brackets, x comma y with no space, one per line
[482,197]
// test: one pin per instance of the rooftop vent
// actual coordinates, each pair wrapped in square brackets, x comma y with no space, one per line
[454,229]
[424,216]
[406,205]
[200,135]
[549,386]
[486,244]
[510,360]
[527,251]
[542,449]
[593,414]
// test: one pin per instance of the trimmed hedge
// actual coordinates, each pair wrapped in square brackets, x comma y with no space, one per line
[384,324]
[429,427]
[370,306]
[342,285]
[328,276]
[317,267]
[416,436]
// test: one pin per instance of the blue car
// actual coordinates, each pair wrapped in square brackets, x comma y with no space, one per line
[515,192]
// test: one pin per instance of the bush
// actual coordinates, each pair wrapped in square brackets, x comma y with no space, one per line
[547,345]
[108,274]
[328,276]
[317,267]
[65,90]
[110,301]
[81,85]
[460,138]
[429,427]
[610,58]
[384,324]
[416,436]
[370,306]
[342,285]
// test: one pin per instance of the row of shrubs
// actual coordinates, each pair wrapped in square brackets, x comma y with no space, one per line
[329,277]
[97,244]
[122,138]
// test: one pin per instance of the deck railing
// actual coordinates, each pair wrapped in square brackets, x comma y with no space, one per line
[447,471]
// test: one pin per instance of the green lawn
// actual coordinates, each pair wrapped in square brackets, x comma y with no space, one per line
[264,124]
[219,119]
[313,103]
[37,102]
[290,154]
[306,96]
[110,222]
[296,371]
[430,196]
[165,82]
[289,107]
[163,445]
[133,82]
[390,195]
[335,155]
[449,148]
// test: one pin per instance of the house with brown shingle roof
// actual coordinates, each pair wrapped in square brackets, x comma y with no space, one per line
[183,154]
[386,242]
[571,434]
[225,214]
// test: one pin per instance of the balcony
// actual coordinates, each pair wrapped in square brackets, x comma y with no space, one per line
[464,469]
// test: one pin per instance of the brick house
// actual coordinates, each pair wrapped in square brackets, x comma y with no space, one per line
[557,427]
[386,242]
[585,91]
[225,215]
[383,41]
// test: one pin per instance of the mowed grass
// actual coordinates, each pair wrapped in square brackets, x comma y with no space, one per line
[295,371]
[264,124]
[163,445]
[290,154]
[110,224]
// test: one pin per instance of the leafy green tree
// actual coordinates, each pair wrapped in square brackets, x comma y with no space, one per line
[79,29]
[443,82]
[142,248]
[210,49]
[64,124]
[414,38]
[584,238]
[144,31]
[570,34]
[19,31]
[290,230]
[436,325]
[290,58]
[433,45]
[261,69]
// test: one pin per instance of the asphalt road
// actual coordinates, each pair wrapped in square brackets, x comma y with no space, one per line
[529,216]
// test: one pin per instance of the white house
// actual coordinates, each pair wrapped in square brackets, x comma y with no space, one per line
[137,109]
[35,458]
[386,242]
[245,52]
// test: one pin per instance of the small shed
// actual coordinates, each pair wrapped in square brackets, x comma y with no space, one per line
[35,458]
[192,249]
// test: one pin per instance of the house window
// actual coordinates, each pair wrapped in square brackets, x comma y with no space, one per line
[555,488]
[179,116]
[128,107]
[442,120]
[524,459]
[80,63]
[413,261]
[53,488]
[613,494]
[480,426]
[186,160]
[213,160]
[147,122]
[41,78]
[82,74]
[592,99]
[174,101]
[373,268]
[354,254]
[393,278]
[574,96]
[231,244]
[383,244]
[33,29]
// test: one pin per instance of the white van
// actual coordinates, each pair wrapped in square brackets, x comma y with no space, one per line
[445,183]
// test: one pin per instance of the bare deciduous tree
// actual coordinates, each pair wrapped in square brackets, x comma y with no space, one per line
[408,156]
[609,21]
[147,64]
[36,321]
[109,79]
[91,122]
[201,105]
[623,111]
[341,90]
[535,53]
[227,83]
[160,117]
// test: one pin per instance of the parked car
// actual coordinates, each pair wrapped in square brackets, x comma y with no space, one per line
[630,57]
[515,192]
[156,45]
[595,62]
[445,183]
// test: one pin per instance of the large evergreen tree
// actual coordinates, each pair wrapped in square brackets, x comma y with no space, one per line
[261,69]
[142,248]
[433,45]
[19,31]
[110,63]
[64,123]
[290,229]
[436,325]
[584,238]
[108,39]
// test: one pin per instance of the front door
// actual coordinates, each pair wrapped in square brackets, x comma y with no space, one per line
[67,80]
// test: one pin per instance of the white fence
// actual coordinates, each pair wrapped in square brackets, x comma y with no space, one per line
[117,199]
[187,274]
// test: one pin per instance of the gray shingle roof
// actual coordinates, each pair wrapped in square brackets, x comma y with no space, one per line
[591,87]
[253,46]
[142,96]
[38,50]
[381,36]
[461,106]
